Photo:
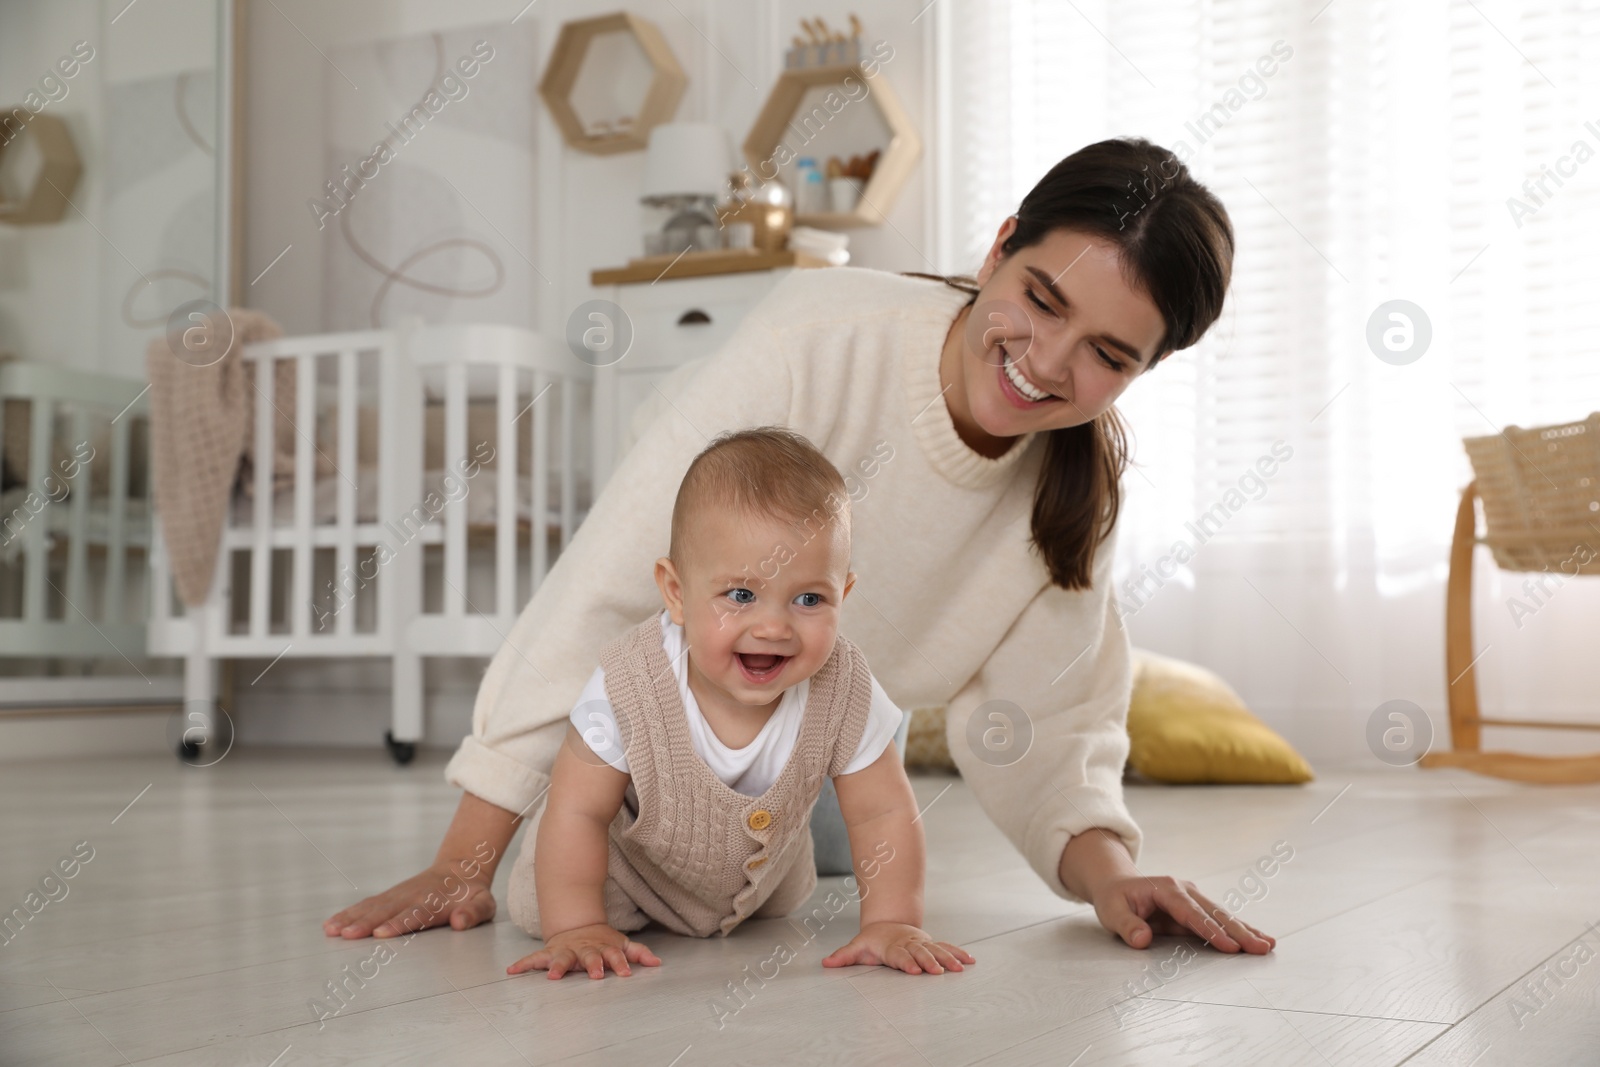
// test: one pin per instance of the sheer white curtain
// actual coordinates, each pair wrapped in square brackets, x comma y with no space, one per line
[1367,152]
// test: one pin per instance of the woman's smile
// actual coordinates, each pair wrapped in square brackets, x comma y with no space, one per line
[1064,305]
[1017,388]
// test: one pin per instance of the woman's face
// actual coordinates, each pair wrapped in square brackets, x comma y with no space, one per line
[1061,317]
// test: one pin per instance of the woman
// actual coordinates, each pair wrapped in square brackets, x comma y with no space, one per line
[975,427]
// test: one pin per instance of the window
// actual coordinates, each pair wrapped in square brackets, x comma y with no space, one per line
[1443,154]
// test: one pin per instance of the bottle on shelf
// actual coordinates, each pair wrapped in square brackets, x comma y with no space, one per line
[811,194]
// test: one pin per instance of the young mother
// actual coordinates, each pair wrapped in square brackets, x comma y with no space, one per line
[976,430]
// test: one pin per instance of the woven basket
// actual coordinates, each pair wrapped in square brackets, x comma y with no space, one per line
[1541,496]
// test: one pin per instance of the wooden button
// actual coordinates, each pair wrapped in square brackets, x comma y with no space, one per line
[760,820]
[753,864]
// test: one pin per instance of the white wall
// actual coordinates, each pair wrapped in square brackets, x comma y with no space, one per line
[586,215]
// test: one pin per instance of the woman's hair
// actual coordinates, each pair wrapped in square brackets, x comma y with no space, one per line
[1176,246]
[768,471]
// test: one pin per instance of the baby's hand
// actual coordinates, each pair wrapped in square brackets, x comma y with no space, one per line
[902,947]
[593,948]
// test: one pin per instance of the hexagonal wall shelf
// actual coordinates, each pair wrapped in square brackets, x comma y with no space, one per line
[786,128]
[610,80]
[39,169]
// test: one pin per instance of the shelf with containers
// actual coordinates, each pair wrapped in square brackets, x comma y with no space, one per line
[839,110]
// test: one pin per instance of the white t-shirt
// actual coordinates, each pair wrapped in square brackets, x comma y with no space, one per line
[750,770]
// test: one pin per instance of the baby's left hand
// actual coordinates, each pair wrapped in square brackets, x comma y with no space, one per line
[902,947]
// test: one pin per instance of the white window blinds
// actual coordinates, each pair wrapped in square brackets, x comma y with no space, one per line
[1445,154]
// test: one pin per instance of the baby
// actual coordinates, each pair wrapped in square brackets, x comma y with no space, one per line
[683,792]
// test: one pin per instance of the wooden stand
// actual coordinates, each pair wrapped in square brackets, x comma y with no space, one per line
[765,147]
[667,82]
[1461,675]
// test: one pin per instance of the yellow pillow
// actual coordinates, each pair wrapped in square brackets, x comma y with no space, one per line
[1186,725]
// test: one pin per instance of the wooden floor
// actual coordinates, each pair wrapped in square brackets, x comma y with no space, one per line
[1425,918]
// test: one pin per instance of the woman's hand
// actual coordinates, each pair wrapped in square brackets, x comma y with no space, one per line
[437,896]
[1096,866]
[1137,907]
[454,889]
[591,948]
[905,948]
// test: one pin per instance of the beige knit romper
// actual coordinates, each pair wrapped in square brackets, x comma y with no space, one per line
[685,849]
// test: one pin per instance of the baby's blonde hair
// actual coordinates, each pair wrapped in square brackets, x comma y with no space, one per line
[769,471]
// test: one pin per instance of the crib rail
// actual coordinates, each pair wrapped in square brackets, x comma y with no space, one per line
[64,548]
[529,385]
[354,546]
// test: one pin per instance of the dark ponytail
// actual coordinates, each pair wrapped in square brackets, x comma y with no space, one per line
[1176,245]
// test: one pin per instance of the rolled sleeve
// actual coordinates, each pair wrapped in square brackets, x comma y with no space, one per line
[1065,665]
[504,781]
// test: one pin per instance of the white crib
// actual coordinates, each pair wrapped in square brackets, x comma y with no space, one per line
[74,515]
[402,534]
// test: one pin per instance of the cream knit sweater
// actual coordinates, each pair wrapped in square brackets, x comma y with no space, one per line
[952,606]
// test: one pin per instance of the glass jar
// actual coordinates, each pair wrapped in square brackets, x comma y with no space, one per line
[767,206]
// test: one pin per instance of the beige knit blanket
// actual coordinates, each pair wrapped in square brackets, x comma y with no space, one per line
[202,438]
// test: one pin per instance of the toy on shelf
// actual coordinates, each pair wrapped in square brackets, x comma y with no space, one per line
[834,130]
[824,47]
[858,166]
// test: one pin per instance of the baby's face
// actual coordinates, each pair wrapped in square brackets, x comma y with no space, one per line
[759,604]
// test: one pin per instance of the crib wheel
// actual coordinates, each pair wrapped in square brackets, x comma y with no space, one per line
[402,752]
[188,751]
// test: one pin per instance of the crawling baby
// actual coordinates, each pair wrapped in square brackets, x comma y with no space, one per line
[684,789]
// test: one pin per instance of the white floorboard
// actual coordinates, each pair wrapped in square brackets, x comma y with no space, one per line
[1425,918]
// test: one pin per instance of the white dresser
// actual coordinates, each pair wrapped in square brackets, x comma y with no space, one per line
[674,320]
